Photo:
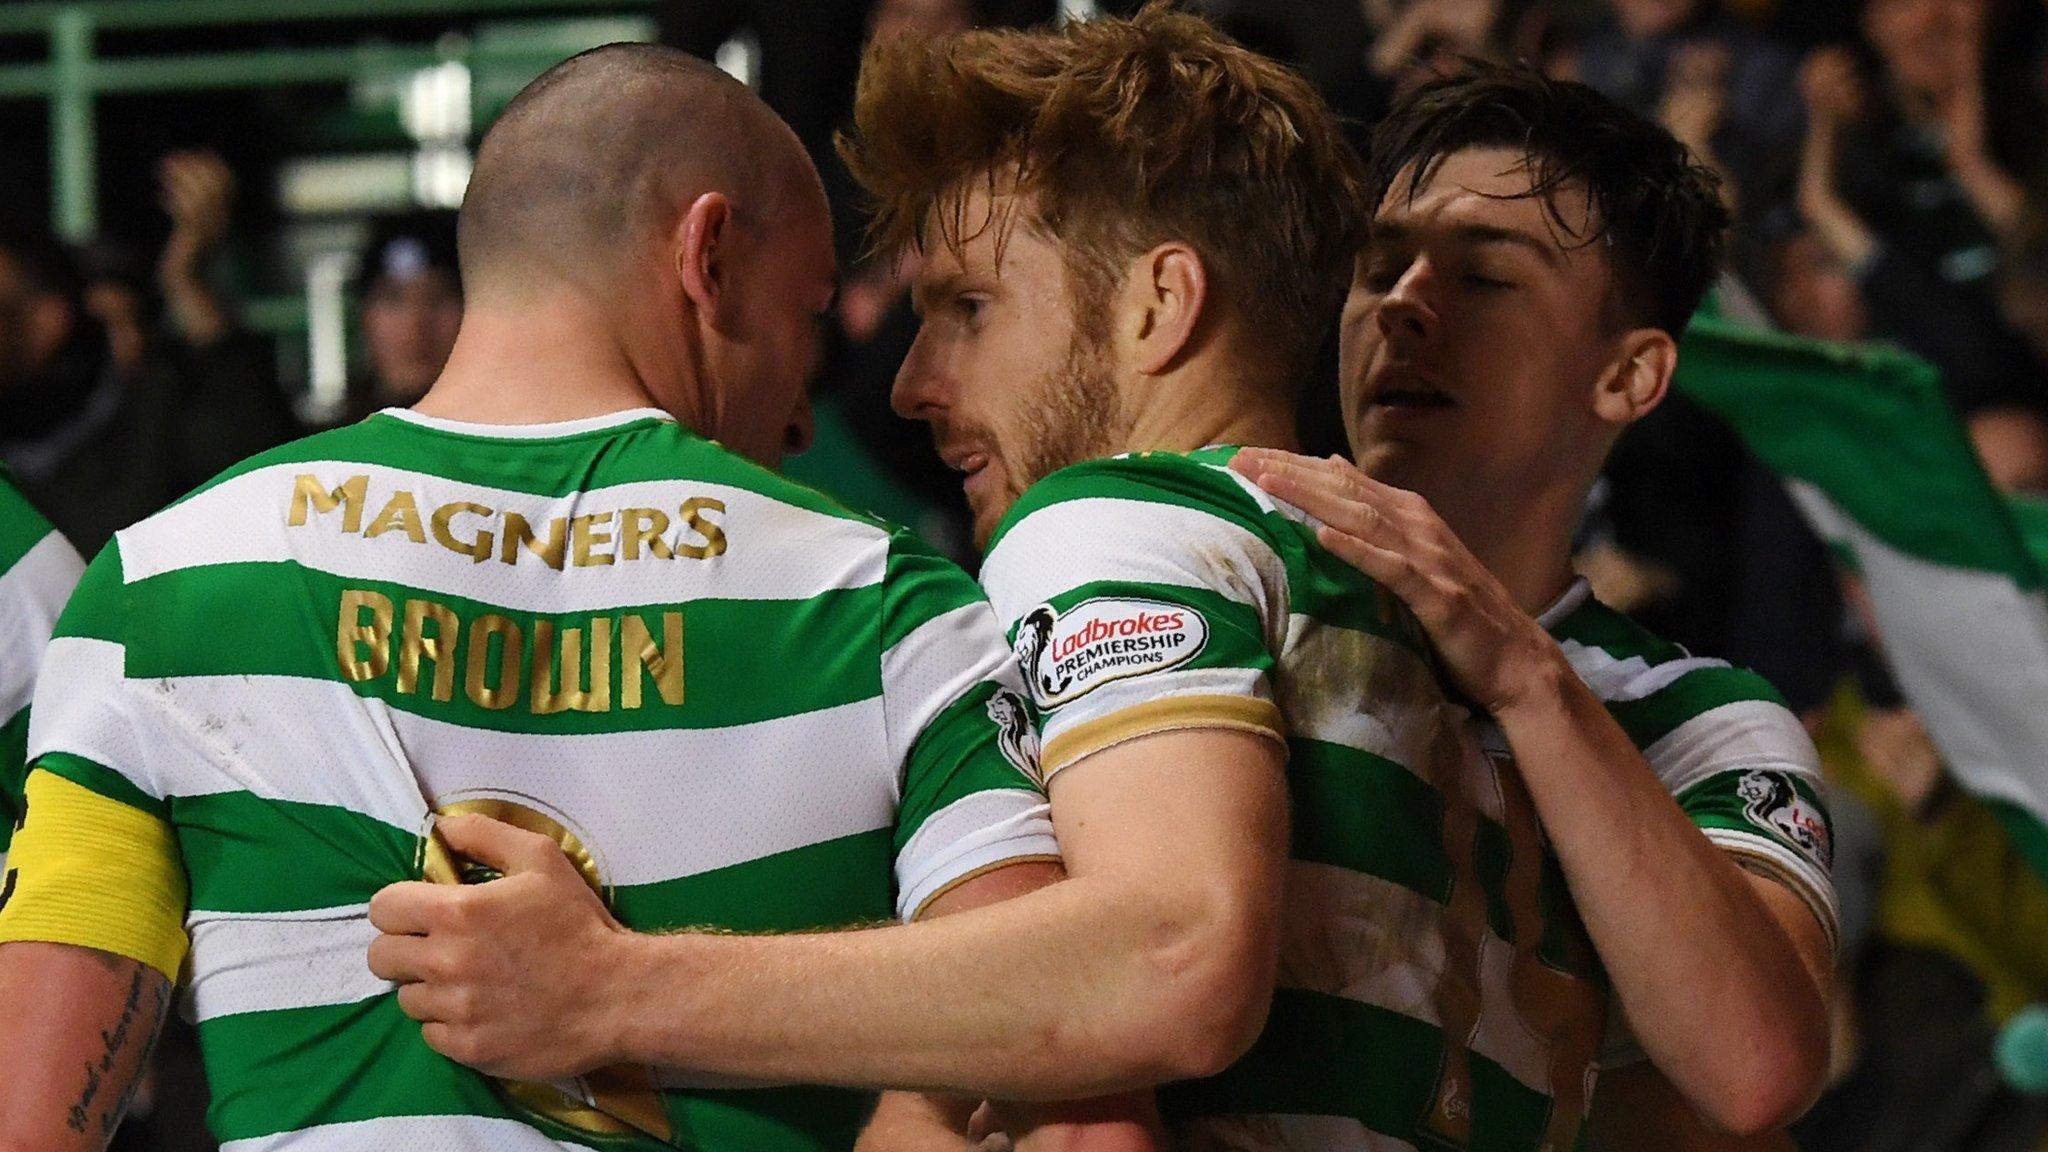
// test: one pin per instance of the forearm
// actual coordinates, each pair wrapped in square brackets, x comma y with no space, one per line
[79,1025]
[915,1122]
[1999,199]
[1838,227]
[1720,997]
[1637,1107]
[195,311]
[1071,991]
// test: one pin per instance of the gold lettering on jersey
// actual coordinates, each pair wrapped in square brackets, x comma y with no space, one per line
[643,528]
[479,549]
[639,655]
[519,533]
[349,497]
[693,511]
[586,536]
[416,643]
[554,665]
[573,690]
[480,532]
[493,683]
[401,513]
[354,635]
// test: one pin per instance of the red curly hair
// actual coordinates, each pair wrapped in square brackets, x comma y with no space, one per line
[1118,135]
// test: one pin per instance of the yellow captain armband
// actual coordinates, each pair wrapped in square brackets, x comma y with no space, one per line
[96,873]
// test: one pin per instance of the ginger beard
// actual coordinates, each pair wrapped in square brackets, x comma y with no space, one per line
[1014,365]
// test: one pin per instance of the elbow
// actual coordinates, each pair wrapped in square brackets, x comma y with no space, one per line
[1212,976]
[1772,1081]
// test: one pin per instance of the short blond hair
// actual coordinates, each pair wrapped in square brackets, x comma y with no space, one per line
[1123,134]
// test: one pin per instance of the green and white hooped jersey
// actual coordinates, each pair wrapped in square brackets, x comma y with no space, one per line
[734,702]
[1436,989]
[1719,737]
[38,569]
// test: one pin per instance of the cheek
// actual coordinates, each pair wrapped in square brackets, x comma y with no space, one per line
[1358,341]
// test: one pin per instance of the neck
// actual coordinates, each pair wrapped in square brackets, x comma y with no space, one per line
[541,362]
[1203,404]
[1525,542]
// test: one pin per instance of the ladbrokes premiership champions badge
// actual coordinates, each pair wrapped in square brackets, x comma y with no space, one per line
[619,1100]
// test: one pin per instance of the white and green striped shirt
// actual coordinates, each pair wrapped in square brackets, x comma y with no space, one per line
[37,572]
[1436,988]
[739,704]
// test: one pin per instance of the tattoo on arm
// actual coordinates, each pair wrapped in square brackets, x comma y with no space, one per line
[112,1079]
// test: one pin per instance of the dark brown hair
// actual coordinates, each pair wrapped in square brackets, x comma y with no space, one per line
[1120,134]
[1655,206]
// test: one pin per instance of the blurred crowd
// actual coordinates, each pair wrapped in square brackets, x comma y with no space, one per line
[1887,162]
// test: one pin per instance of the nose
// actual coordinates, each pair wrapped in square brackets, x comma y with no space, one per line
[916,394]
[1408,312]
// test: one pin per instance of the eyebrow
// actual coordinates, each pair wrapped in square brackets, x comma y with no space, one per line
[1470,234]
[922,290]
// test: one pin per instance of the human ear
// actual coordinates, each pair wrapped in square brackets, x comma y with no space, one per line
[703,241]
[1636,381]
[1165,293]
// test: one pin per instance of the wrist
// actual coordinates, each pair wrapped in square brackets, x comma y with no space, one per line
[1540,688]
[625,973]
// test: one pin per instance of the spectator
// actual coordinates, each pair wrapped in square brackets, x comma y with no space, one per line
[225,402]
[1883,206]
[1410,39]
[66,427]
[1725,90]
[409,288]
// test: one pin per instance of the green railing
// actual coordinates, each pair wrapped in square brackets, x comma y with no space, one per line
[75,75]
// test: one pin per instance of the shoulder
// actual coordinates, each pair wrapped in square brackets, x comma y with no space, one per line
[1183,488]
[1161,518]
[1681,710]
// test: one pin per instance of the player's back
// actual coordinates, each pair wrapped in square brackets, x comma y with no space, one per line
[613,632]
[1434,986]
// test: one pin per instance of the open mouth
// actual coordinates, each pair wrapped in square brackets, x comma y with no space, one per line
[967,460]
[1411,396]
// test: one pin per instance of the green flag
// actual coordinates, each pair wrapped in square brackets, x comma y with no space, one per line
[1883,470]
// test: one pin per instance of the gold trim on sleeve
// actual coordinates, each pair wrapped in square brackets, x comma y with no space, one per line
[923,905]
[1174,713]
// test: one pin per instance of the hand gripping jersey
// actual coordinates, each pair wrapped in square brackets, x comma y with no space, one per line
[1436,989]
[732,702]
[37,572]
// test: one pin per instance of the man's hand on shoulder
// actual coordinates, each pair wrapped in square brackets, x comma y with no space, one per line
[511,976]
[1495,652]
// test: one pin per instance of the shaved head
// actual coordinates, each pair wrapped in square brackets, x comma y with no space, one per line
[599,158]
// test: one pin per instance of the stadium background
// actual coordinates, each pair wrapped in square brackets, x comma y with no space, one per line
[236,214]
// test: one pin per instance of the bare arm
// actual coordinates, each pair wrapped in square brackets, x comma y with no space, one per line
[1636,1107]
[79,1025]
[1154,961]
[198,189]
[1737,1017]
[915,1122]
[1828,80]
[1724,973]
